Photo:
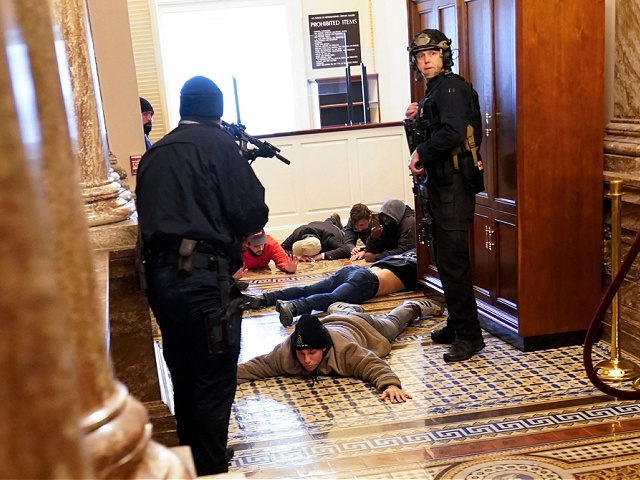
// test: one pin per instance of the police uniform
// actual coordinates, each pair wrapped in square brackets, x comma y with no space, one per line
[196,198]
[446,111]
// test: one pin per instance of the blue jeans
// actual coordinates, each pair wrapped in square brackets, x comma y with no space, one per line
[351,284]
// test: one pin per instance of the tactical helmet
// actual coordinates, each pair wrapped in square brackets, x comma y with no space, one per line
[431,39]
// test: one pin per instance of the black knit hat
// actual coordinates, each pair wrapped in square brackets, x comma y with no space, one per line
[310,333]
[201,97]
[145,106]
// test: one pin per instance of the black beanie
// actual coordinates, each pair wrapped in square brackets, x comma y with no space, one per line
[145,106]
[200,97]
[310,333]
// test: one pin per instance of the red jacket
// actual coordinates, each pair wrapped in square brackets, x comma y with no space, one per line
[272,251]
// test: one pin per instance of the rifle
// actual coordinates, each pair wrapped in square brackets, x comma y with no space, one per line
[264,149]
[425,234]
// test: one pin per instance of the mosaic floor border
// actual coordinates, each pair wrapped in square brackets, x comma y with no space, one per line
[395,438]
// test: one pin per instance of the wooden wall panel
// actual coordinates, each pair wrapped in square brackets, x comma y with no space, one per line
[560,71]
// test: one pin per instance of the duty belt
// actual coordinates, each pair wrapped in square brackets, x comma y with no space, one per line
[207,261]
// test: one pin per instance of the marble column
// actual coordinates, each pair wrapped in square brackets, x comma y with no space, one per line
[131,343]
[106,200]
[64,414]
[622,158]
[622,141]
[39,417]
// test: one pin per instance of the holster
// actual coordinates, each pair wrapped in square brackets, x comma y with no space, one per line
[223,325]
[185,254]
[471,166]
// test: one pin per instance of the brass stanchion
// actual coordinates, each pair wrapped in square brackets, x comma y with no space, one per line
[616,368]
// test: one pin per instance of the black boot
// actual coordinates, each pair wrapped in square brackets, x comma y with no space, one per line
[463,349]
[230,453]
[445,334]
[255,302]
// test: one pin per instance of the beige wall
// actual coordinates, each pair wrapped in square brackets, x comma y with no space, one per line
[117,76]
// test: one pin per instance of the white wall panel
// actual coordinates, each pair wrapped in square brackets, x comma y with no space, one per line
[381,174]
[329,172]
[279,180]
[325,177]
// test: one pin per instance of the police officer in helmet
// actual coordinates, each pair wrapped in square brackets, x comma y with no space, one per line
[447,125]
[197,198]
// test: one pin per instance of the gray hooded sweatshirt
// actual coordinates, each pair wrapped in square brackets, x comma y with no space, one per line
[397,239]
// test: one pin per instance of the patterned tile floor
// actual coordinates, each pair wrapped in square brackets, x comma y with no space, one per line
[505,414]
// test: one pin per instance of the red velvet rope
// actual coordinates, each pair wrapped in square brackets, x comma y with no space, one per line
[590,338]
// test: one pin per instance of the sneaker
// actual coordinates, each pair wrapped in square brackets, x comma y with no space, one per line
[255,302]
[287,311]
[344,307]
[463,349]
[426,307]
[443,335]
[336,220]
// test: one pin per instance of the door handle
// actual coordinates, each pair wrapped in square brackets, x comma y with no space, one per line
[488,238]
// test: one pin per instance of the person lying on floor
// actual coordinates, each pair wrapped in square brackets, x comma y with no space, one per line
[317,241]
[347,342]
[259,249]
[395,234]
[359,226]
[350,284]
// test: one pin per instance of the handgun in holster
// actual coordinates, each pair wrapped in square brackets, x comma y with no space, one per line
[469,145]
[223,325]
[471,172]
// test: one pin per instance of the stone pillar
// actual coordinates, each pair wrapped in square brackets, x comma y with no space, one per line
[39,417]
[622,141]
[131,346]
[622,157]
[64,415]
[106,201]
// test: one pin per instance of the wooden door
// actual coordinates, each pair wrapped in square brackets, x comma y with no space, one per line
[489,64]
[477,66]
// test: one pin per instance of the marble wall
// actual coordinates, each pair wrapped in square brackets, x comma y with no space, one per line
[622,161]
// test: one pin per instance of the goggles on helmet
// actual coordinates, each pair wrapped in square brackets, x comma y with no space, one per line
[424,41]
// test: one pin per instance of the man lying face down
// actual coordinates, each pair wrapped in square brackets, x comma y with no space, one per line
[350,284]
[348,342]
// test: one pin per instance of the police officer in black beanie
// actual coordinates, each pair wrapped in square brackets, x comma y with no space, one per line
[197,198]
